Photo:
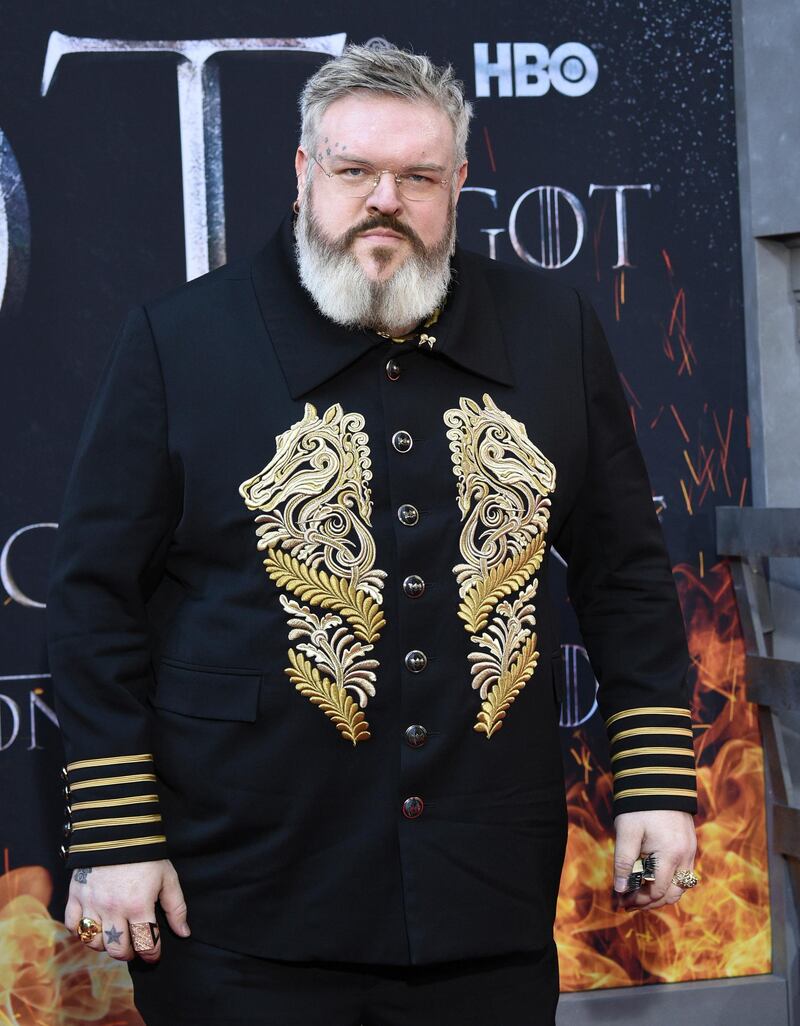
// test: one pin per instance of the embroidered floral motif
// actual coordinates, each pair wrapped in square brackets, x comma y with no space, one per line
[315,519]
[504,484]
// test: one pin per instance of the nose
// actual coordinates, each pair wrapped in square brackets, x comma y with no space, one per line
[385,198]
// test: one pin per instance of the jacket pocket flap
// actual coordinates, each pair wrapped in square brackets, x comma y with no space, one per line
[207,693]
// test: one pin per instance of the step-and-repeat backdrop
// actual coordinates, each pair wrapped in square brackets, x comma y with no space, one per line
[142,144]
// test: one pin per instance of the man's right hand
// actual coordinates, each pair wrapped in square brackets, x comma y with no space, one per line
[115,896]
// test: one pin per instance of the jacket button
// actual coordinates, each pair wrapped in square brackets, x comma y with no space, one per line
[64,773]
[408,514]
[62,851]
[67,828]
[416,735]
[413,586]
[412,807]
[67,792]
[392,370]
[416,661]
[402,441]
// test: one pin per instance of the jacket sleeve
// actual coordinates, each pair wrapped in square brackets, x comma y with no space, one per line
[620,583]
[118,515]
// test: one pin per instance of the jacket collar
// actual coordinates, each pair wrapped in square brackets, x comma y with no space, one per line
[311,349]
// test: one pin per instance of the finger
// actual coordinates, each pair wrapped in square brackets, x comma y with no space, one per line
[627,849]
[96,943]
[663,891]
[645,900]
[638,899]
[172,901]
[72,913]
[117,938]
[674,892]
[141,934]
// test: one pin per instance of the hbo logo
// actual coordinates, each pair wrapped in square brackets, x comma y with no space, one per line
[571,69]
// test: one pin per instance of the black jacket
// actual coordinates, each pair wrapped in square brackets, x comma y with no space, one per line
[298,618]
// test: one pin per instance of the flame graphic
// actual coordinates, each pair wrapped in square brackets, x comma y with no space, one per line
[721,928]
[47,977]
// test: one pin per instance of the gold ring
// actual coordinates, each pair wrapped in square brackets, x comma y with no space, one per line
[685,878]
[144,936]
[87,929]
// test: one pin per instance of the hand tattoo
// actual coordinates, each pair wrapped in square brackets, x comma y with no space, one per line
[113,936]
[80,875]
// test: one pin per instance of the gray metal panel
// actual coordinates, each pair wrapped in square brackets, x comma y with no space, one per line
[737,1002]
[787,830]
[768,141]
[773,682]
[758,532]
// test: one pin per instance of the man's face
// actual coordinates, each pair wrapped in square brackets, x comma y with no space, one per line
[384,132]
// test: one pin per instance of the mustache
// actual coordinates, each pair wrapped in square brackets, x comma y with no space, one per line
[387,221]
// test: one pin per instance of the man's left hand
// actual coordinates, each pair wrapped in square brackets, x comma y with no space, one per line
[670,836]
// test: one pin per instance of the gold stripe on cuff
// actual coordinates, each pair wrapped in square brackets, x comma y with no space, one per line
[627,752]
[635,791]
[107,803]
[655,710]
[134,778]
[679,770]
[637,731]
[128,843]
[113,821]
[119,760]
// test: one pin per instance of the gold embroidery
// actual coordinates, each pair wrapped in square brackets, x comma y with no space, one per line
[628,752]
[130,842]
[115,821]
[648,710]
[337,593]
[636,731]
[315,519]
[118,760]
[680,771]
[133,778]
[331,698]
[107,803]
[504,484]
[635,792]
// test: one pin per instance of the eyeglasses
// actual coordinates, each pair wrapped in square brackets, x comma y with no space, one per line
[359,180]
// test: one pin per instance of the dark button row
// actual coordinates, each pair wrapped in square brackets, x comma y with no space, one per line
[413,586]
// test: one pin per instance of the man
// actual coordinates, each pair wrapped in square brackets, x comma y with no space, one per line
[298,621]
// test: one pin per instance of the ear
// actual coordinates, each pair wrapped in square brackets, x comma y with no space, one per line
[461,177]
[301,162]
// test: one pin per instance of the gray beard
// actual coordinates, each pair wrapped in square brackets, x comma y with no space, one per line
[343,292]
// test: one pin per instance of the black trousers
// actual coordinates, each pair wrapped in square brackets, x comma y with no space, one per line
[196,984]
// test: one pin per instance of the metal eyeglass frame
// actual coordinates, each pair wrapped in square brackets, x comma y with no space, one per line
[377,178]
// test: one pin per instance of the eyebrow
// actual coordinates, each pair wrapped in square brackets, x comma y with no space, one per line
[350,159]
